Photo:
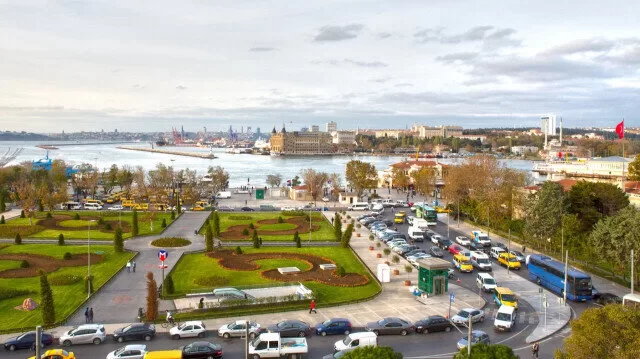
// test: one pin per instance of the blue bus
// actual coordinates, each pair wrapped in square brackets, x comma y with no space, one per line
[549,273]
[427,213]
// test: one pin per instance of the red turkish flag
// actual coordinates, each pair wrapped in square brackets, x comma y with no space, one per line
[620,129]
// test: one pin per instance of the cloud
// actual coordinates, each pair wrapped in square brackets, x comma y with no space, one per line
[338,33]
[383,35]
[380,80]
[351,62]
[491,37]
[404,84]
[262,49]
[180,87]
[580,46]
[458,56]
[140,87]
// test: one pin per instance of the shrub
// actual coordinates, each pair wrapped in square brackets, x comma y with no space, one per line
[65,279]
[61,239]
[7,293]
[22,214]
[378,244]
[251,226]
[245,232]
[395,259]
[168,285]
[211,281]
[255,239]
[371,237]
[17,239]
[296,238]
[280,219]
[24,264]
[386,251]
[76,216]
[108,226]
[171,242]
[118,241]
[216,224]
[348,216]
[358,225]
[239,217]
[100,221]
[26,230]
[173,215]
[2,220]
[238,250]
[134,223]
[164,223]
[66,256]
[340,272]
[49,215]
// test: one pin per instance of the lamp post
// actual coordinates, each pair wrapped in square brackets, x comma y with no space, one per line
[89,257]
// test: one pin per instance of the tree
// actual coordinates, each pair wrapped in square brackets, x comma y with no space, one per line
[337,227]
[296,239]
[255,239]
[17,239]
[61,239]
[208,238]
[360,176]
[368,352]
[544,212]
[346,236]
[315,182]
[591,334]
[168,285]
[274,180]
[424,180]
[134,223]
[46,301]
[400,178]
[592,201]
[152,298]
[3,205]
[118,241]
[216,224]
[634,169]
[26,195]
[484,351]
[219,179]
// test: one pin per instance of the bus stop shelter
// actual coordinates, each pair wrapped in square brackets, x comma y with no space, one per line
[433,275]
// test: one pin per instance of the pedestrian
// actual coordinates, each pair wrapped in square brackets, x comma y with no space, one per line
[129,267]
[393,210]
[534,350]
[312,307]
[90,315]
[524,248]
[332,221]
[133,266]
[86,315]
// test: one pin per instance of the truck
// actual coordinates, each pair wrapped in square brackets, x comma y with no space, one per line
[223,194]
[271,345]
[481,238]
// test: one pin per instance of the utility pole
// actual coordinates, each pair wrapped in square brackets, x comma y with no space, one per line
[38,341]
[632,271]
[469,338]
[246,339]
[566,273]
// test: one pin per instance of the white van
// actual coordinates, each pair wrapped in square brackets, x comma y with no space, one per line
[359,207]
[92,206]
[388,202]
[356,340]
[377,208]
[416,234]
[480,261]
[505,318]
[224,194]
[496,251]
[486,282]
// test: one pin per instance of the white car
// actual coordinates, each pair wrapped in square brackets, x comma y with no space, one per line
[477,315]
[436,238]
[193,328]
[239,329]
[116,208]
[463,241]
[288,208]
[325,199]
[414,259]
[84,334]
[133,351]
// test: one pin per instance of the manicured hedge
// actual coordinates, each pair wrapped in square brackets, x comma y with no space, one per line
[171,242]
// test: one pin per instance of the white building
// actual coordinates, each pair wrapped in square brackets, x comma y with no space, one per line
[548,125]
[521,150]
[344,137]
[331,126]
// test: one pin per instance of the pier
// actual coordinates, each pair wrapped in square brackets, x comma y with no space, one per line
[167,152]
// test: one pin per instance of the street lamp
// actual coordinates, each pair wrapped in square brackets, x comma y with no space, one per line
[89,257]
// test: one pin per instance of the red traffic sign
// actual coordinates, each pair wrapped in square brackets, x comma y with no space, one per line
[163,266]
[162,255]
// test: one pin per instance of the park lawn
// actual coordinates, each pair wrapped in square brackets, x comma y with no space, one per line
[194,265]
[149,223]
[66,298]
[324,233]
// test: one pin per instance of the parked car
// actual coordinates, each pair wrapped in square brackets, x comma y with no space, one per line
[500,245]
[477,336]
[334,326]
[239,329]
[434,323]
[229,293]
[136,331]
[194,328]
[444,243]
[405,248]
[27,341]
[410,220]
[202,350]
[477,315]
[247,209]
[117,207]
[463,241]
[477,247]
[225,209]
[390,325]
[436,251]
[414,259]
[290,328]
[84,334]
[414,252]
[455,249]
[61,354]
[519,256]
[607,298]
[132,351]
[435,238]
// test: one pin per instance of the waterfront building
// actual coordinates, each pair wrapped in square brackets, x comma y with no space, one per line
[439,131]
[521,150]
[391,133]
[343,137]
[613,169]
[331,127]
[548,125]
[300,143]
[385,177]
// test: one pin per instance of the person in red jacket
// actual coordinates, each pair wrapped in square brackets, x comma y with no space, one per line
[312,307]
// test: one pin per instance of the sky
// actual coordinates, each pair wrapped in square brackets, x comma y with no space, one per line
[152,65]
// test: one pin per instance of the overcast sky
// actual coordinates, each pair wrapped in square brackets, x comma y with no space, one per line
[150,65]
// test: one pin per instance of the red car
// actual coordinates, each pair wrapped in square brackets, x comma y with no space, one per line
[455,249]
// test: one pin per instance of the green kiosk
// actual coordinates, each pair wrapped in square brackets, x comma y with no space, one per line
[433,275]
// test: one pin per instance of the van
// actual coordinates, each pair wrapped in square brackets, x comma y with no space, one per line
[164,354]
[94,201]
[388,202]
[356,340]
[416,234]
[480,261]
[495,252]
[462,263]
[223,194]
[359,207]
[377,208]
[505,318]
[504,296]
[486,282]
[92,206]
[509,260]
[71,205]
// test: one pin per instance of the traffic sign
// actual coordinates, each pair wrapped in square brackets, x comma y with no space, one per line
[163,255]
[451,298]
[163,266]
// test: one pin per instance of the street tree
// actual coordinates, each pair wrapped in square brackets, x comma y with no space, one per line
[457,189]
[592,334]
[400,178]
[484,351]
[315,182]
[218,180]
[592,201]
[361,176]
[634,169]
[335,185]
[424,180]
[152,298]
[27,197]
[543,212]
[274,180]
[369,352]
[110,179]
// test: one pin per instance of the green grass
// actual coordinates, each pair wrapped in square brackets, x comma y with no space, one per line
[77,229]
[6,264]
[66,298]
[197,264]
[323,233]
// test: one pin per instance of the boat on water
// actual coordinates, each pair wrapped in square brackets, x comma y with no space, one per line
[275,154]
[261,144]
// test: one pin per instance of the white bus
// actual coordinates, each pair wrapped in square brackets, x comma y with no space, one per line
[632,300]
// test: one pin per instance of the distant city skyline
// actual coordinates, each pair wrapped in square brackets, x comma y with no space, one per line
[87,66]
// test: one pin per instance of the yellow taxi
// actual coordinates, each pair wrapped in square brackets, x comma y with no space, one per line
[504,296]
[509,260]
[56,354]
[462,263]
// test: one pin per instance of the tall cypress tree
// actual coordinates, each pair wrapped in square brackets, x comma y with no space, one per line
[346,236]
[152,298]
[216,224]
[118,242]
[48,310]
[337,227]
[208,239]
[3,206]
[256,240]
[134,223]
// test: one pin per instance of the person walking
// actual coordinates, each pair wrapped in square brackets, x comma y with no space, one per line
[535,348]
[129,267]
[86,315]
[312,307]
[90,315]
[133,266]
